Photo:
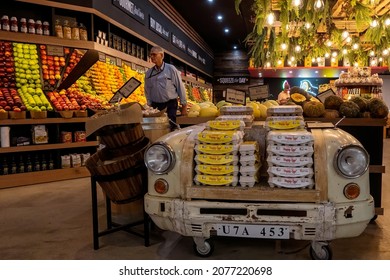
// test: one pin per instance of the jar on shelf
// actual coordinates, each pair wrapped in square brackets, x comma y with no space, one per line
[67,30]
[5,23]
[23,25]
[46,28]
[38,27]
[58,29]
[83,32]
[14,24]
[31,26]
[75,31]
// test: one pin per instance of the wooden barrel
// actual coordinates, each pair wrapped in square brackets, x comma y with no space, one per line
[122,178]
[155,127]
[118,135]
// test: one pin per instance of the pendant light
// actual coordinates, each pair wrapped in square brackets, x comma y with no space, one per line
[318,5]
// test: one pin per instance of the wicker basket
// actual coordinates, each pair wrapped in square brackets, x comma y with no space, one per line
[116,136]
[3,115]
[38,115]
[121,178]
[17,115]
[66,114]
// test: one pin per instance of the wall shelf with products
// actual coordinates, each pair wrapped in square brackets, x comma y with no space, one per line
[48,154]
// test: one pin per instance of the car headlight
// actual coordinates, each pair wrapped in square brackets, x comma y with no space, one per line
[351,161]
[160,158]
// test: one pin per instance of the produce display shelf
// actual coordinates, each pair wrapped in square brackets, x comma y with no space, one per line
[44,147]
[42,121]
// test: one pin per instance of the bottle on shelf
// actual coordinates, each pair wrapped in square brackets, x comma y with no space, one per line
[46,28]
[43,163]
[29,166]
[51,163]
[58,29]
[5,23]
[4,167]
[75,31]
[83,32]
[14,24]
[23,25]
[21,165]
[37,164]
[14,168]
[38,27]
[67,30]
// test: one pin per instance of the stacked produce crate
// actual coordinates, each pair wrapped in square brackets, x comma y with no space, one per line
[290,151]
[217,153]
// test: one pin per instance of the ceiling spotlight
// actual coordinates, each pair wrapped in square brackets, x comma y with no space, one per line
[235,47]
[318,4]
[210,1]
[219,17]
[271,18]
[226,30]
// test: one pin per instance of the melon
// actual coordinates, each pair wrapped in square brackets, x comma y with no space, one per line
[349,109]
[333,102]
[208,112]
[378,108]
[313,109]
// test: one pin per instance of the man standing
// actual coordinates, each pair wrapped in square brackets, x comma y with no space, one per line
[163,85]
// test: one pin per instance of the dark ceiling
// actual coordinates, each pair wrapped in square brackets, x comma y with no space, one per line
[202,16]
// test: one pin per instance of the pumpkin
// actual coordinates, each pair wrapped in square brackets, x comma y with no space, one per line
[313,109]
[333,102]
[361,102]
[377,108]
[297,98]
[349,109]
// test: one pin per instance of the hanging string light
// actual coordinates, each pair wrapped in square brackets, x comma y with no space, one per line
[271,18]
[318,5]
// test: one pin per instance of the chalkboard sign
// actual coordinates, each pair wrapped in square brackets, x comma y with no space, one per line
[131,85]
[258,92]
[235,96]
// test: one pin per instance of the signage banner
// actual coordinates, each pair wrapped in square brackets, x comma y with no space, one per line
[232,80]
[131,9]
[258,92]
[158,28]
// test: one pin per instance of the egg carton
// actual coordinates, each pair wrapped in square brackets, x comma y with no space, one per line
[290,150]
[247,119]
[214,180]
[290,137]
[291,183]
[250,170]
[225,125]
[249,160]
[216,159]
[211,169]
[216,149]
[289,161]
[248,148]
[285,110]
[292,172]
[236,110]
[219,137]
[285,122]
[247,181]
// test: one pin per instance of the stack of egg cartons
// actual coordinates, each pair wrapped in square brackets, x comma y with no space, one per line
[243,113]
[217,153]
[249,163]
[290,151]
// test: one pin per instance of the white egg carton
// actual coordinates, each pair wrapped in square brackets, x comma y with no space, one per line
[290,137]
[290,150]
[247,181]
[213,180]
[236,110]
[225,125]
[249,170]
[211,169]
[285,110]
[289,161]
[292,172]
[216,159]
[219,137]
[249,160]
[216,149]
[291,183]
[248,148]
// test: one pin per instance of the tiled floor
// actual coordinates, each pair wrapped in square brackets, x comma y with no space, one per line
[54,221]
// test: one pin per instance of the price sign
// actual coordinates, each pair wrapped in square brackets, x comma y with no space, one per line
[128,88]
[102,57]
[55,50]
[235,96]
[258,92]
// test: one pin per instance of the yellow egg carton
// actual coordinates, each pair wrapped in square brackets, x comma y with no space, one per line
[226,125]
[293,172]
[219,137]
[284,122]
[291,183]
[213,180]
[210,169]
[216,159]
[216,149]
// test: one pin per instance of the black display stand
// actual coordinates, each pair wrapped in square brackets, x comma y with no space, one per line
[111,226]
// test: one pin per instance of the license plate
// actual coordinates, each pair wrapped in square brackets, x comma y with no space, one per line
[253,231]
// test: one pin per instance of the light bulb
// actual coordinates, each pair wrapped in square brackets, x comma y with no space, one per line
[268,65]
[292,58]
[372,53]
[355,46]
[387,21]
[307,25]
[345,51]
[279,62]
[319,4]
[374,23]
[349,39]
[327,55]
[283,46]
[334,54]
[345,34]
[329,43]
[271,18]
[298,48]
[297,3]
[385,52]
